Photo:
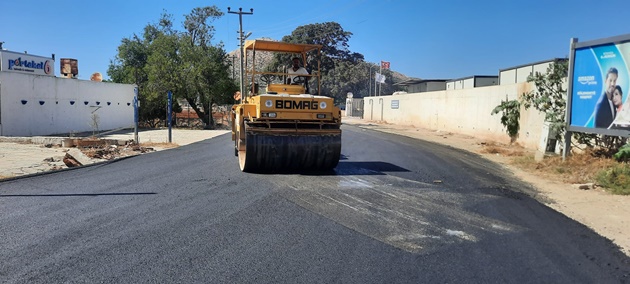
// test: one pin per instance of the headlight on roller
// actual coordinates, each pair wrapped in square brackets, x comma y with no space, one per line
[321,115]
[268,103]
[322,105]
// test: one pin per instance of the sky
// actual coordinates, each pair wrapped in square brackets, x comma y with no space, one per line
[443,39]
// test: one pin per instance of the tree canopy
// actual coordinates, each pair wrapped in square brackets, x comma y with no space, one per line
[343,71]
[197,70]
[186,62]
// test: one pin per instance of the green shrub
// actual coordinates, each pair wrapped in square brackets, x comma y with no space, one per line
[510,114]
[615,179]
[623,155]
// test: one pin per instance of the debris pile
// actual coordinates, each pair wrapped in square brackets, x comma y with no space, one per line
[110,152]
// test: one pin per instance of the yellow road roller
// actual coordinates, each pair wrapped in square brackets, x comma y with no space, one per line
[283,123]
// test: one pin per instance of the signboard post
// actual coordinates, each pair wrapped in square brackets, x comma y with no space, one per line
[135,115]
[169,112]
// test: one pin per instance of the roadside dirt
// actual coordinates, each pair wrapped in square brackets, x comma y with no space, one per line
[601,211]
[20,156]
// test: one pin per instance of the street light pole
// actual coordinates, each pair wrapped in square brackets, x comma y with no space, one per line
[240,30]
[380,72]
[233,67]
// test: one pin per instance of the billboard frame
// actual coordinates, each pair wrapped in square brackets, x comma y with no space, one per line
[574,46]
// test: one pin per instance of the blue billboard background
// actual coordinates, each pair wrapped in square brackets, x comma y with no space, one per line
[589,83]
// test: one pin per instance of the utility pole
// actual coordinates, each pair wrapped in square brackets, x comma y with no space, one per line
[241,38]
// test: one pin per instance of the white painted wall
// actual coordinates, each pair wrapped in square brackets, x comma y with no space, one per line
[466,111]
[48,110]
[542,68]
[522,73]
[458,84]
[468,83]
[507,77]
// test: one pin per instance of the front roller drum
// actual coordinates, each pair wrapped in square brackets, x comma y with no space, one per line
[286,152]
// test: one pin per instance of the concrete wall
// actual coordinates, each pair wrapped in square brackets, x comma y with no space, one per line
[43,105]
[466,111]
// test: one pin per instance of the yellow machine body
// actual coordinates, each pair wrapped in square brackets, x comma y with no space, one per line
[285,128]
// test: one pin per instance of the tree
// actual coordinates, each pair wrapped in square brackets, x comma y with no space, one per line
[342,70]
[186,63]
[347,77]
[550,96]
[332,38]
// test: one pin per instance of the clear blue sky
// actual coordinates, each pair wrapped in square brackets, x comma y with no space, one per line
[423,39]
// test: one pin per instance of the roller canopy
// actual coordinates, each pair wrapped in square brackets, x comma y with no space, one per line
[278,46]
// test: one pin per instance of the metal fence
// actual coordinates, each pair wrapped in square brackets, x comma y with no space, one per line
[357,108]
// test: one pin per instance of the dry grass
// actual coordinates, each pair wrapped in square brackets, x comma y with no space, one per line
[513,150]
[577,168]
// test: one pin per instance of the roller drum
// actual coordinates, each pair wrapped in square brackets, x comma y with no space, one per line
[273,152]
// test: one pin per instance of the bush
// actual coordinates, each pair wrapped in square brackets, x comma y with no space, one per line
[624,154]
[510,114]
[615,179]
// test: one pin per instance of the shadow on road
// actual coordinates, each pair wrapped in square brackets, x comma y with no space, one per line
[75,194]
[346,168]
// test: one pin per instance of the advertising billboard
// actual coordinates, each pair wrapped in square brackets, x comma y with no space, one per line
[26,63]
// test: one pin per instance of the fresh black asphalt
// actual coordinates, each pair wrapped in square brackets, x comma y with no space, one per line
[395,210]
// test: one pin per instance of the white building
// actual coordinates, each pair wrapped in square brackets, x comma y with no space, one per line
[519,74]
[35,102]
[472,82]
[422,85]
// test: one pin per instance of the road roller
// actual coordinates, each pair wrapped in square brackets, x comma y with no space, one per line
[283,123]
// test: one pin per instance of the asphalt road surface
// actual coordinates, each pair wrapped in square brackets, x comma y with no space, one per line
[395,210]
